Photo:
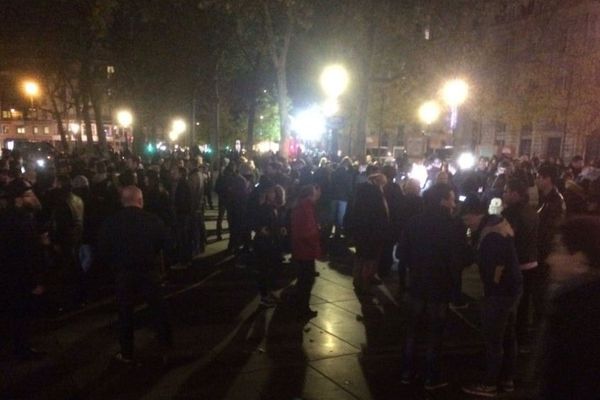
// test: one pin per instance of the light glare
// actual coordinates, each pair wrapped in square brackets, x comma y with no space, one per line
[455,92]
[334,80]
[124,118]
[309,124]
[429,112]
[466,161]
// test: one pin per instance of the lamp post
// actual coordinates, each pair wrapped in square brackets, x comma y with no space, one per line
[31,89]
[455,93]
[334,82]
[125,119]
[178,126]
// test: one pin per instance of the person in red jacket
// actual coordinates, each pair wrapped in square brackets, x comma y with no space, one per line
[306,247]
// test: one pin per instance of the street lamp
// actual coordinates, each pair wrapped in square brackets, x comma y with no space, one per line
[429,112]
[455,93]
[31,89]
[178,126]
[334,81]
[125,119]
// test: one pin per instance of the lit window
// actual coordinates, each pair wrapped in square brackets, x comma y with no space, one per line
[5,130]
[36,130]
[46,130]
[21,129]
[6,114]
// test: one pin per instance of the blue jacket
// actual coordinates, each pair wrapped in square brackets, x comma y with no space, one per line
[497,258]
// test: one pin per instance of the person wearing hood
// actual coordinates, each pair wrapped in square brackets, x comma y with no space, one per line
[496,255]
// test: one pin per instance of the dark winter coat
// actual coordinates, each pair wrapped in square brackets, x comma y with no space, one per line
[497,258]
[524,221]
[433,248]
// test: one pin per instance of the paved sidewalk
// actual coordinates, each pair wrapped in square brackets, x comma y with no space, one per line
[229,348]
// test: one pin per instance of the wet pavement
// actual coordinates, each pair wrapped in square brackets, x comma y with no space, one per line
[227,347]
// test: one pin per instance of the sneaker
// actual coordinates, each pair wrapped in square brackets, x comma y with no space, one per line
[479,389]
[119,357]
[434,385]
[508,386]
[267,302]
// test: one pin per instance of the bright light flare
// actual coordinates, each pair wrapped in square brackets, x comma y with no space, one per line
[331,107]
[41,163]
[455,92]
[429,112]
[173,136]
[418,172]
[74,128]
[466,161]
[310,124]
[179,126]
[31,88]
[334,80]
[124,118]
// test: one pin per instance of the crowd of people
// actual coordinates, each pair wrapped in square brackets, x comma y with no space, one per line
[141,218]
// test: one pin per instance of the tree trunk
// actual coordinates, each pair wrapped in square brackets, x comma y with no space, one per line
[85,85]
[283,111]
[97,106]
[253,103]
[364,89]
[59,122]
[217,117]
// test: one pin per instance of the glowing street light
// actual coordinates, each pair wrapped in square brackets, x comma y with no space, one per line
[178,126]
[455,93]
[334,81]
[31,89]
[310,124]
[125,119]
[331,107]
[429,112]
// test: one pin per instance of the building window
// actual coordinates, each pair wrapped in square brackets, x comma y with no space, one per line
[525,147]
[36,130]
[46,130]
[6,114]
[5,129]
[553,147]
[21,129]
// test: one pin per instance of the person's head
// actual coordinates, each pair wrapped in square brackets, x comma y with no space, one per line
[442,195]
[390,172]
[472,212]
[128,178]
[547,178]
[63,181]
[311,192]
[577,162]
[131,196]
[578,249]
[515,192]
[21,193]
[182,173]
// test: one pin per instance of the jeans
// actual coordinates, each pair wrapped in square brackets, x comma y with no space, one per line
[128,285]
[532,284]
[199,231]
[304,285]
[498,315]
[338,211]
[435,315]
[185,234]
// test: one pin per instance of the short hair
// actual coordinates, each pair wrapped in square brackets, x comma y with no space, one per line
[306,191]
[577,159]
[582,234]
[549,171]
[389,171]
[518,186]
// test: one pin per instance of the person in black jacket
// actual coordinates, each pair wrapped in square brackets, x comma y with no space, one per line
[524,221]
[496,256]
[395,201]
[431,249]
[21,263]
[131,242]
[182,203]
[342,181]
[570,352]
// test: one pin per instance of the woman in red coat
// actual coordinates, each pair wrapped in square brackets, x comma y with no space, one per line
[306,247]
